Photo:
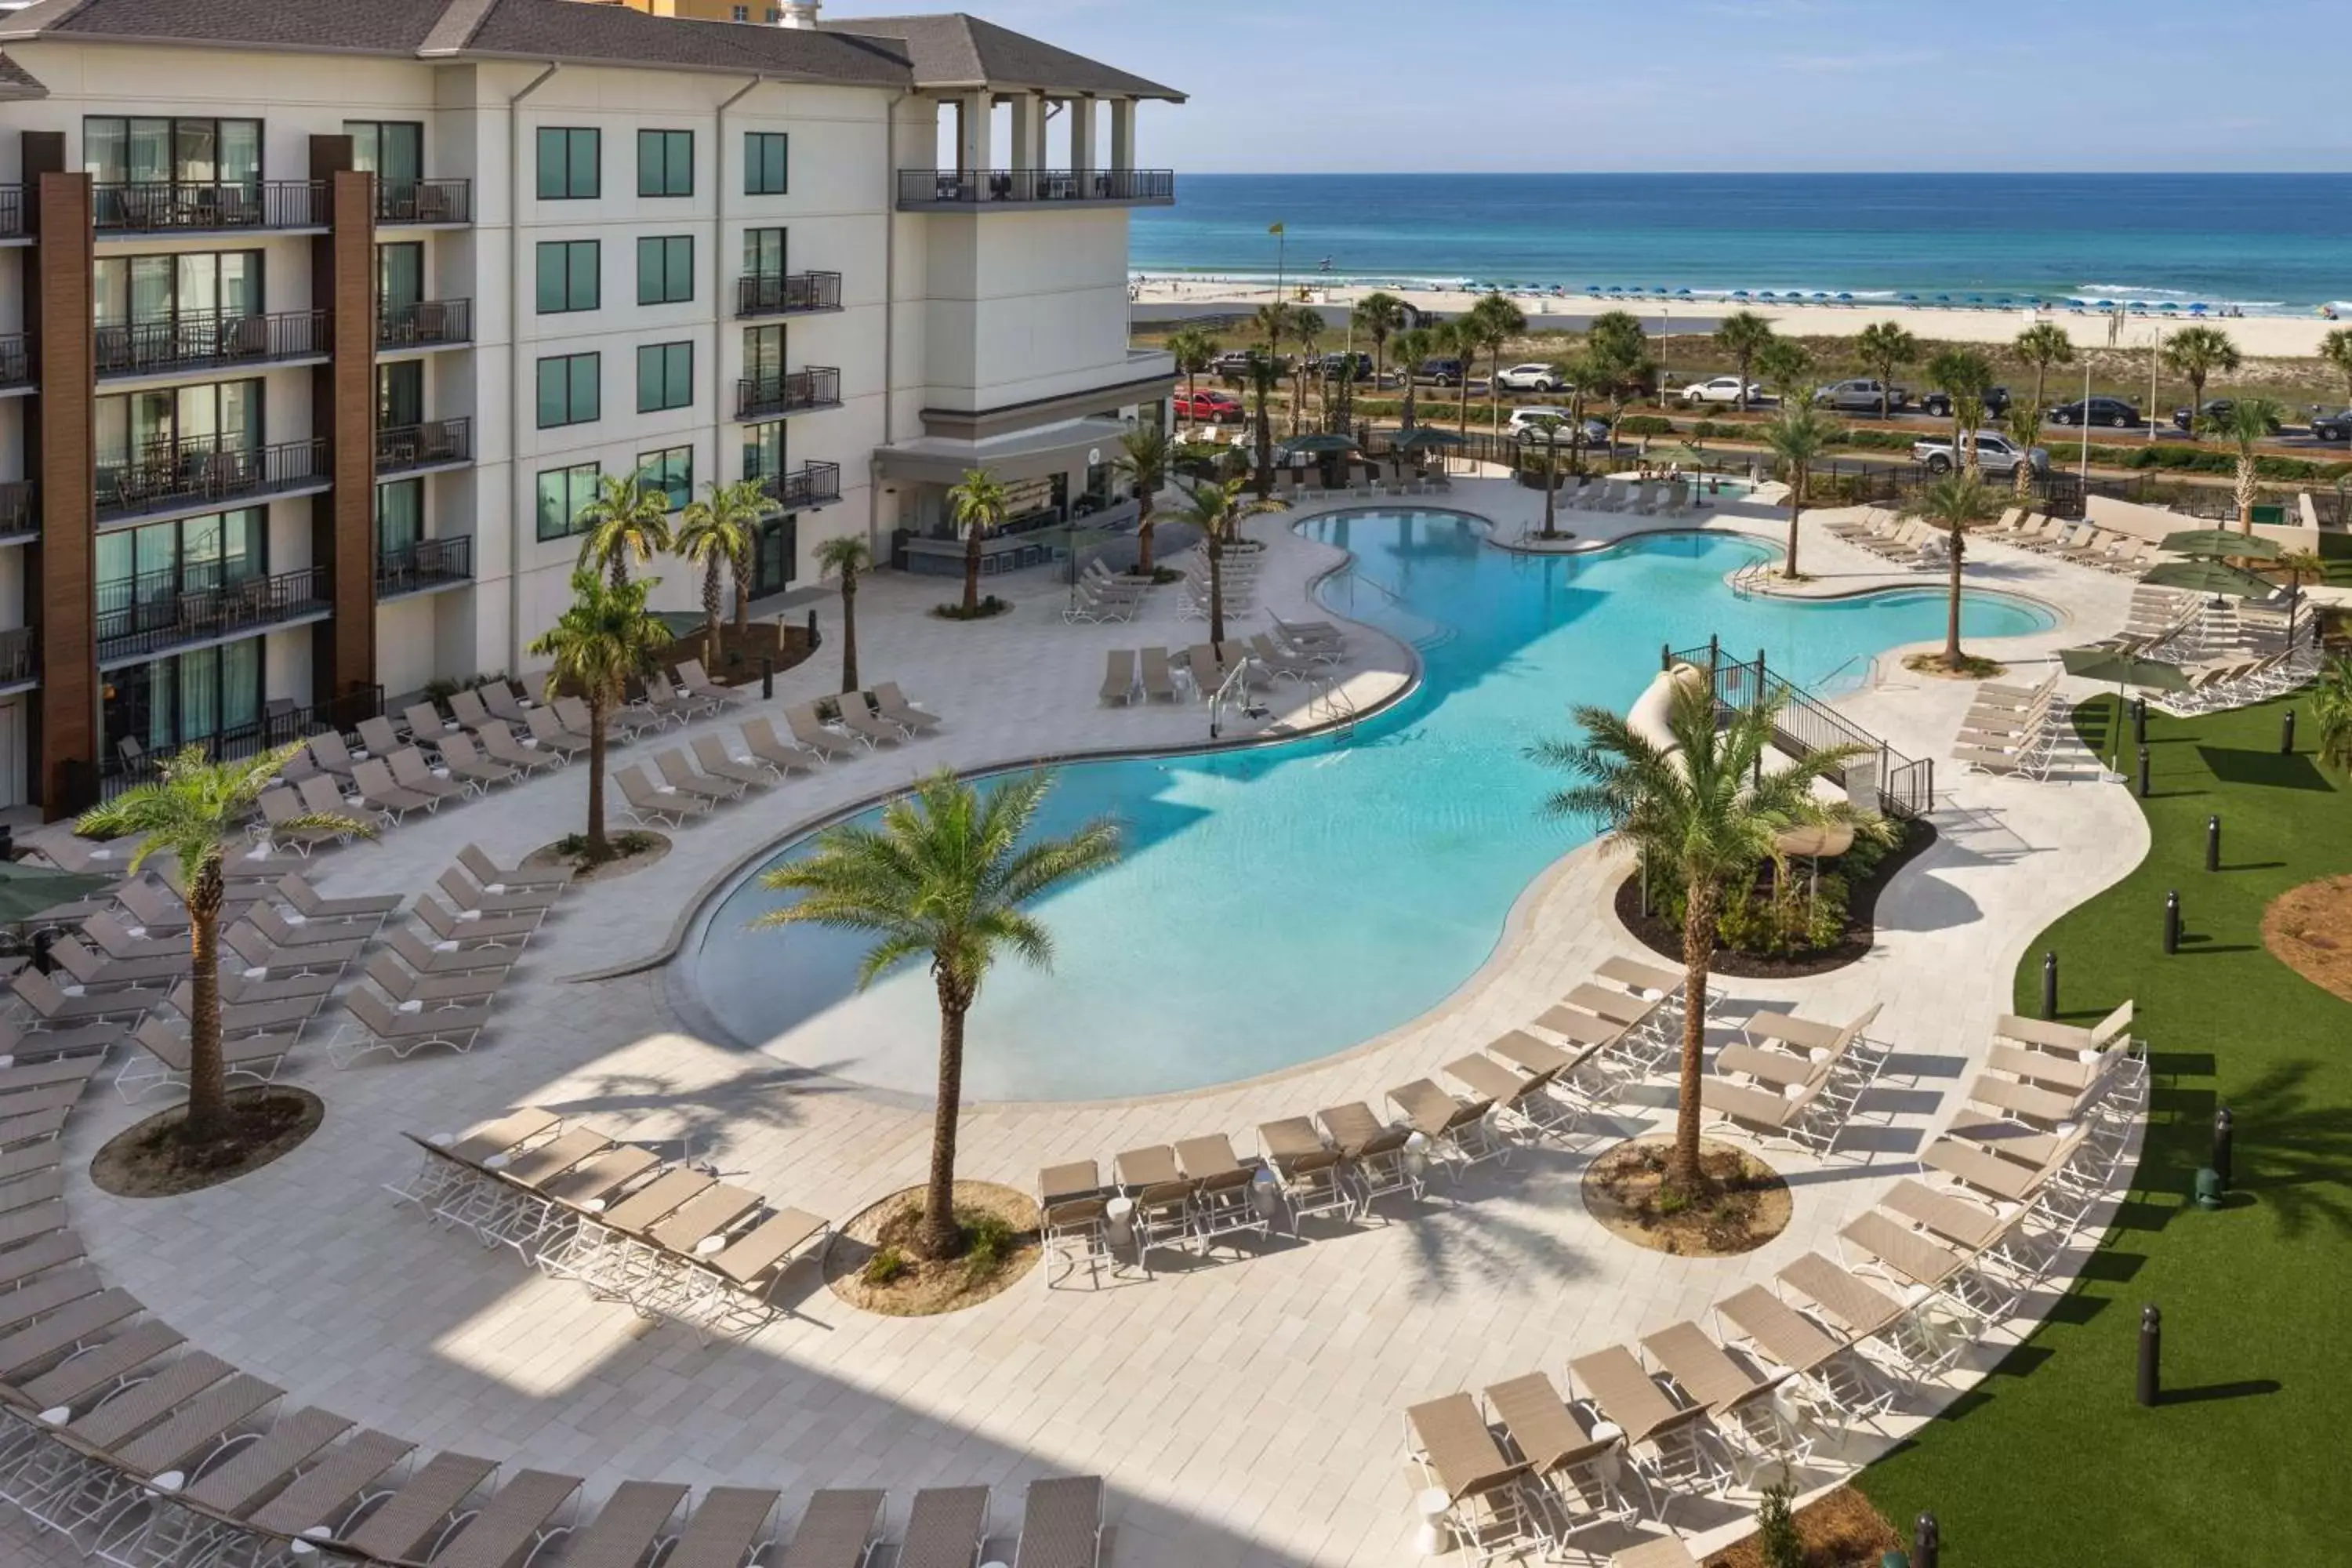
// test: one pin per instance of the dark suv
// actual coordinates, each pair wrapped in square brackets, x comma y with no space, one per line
[1443,371]
[2111,411]
[1939,404]
[2215,410]
[1233,364]
[2332,426]
[1333,366]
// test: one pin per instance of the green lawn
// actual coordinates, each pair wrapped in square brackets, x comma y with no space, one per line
[2050,1460]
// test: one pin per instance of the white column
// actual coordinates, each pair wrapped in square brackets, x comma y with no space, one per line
[1082,134]
[1122,133]
[975,133]
[1028,130]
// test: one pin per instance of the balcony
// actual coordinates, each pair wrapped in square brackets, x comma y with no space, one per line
[949,190]
[16,361]
[804,488]
[198,206]
[425,324]
[18,525]
[148,617]
[424,204]
[196,475]
[799,294]
[12,212]
[423,566]
[20,664]
[209,343]
[280,724]
[796,392]
[414,449]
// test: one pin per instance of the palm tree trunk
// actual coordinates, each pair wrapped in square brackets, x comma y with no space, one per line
[207,1112]
[742,570]
[1698,951]
[1143,530]
[1216,589]
[711,608]
[620,572]
[2246,485]
[848,632]
[971,569]
[598,848]
[2040,384]
[1796,511]
[1494,392]
[1551,483]
[1953,658]
[942,1238]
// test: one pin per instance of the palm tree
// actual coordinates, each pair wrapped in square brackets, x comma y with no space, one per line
[1800,437]
[1954,503]
[2195,355]
[191,811]
[1305,327]
[1413,346]
[1618,361]
[2336,348]
[2331,707]
[1550,425]
[1494,321]
[2044,345]
[2298,564]
[1743,334]
[844,557]
[1273,324]
[1381,315]
[1962,375]
[1885,348]
[1458,340]
[606,639]
[980,506]
[1143,455]
[627,518]
[945,876]
[1265,373]
[2023,428]
[2247,424]
[1217,511]
[1577,371]
[719,532]
[1193,350]
[1707,813]
[1787,367]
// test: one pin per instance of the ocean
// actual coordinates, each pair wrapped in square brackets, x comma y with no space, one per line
[2263,244]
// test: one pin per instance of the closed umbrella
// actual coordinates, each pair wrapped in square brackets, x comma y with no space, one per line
[27,890]
[2221,544]
[2124,669]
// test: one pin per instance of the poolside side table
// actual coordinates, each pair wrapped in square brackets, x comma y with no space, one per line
[1430,1506]
[1118,1228]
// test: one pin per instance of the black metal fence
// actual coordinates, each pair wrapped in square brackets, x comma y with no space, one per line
[19,653]
[16,506]
[401,448]
[212,338]
[790,393]
[150,615]
[283,723]
[1804,725]
[167,474]
[427,564]
[161,206]
[12,211]
[423,201]
[810,485]
[424,324]
[984,187]
[792,294]
[16,360]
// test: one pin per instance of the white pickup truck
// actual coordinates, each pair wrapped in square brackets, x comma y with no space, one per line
[1996,455]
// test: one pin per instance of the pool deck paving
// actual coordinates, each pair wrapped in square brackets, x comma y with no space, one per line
[1246,1409]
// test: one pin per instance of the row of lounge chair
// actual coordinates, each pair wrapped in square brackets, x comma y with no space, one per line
[668,1237]
[2011,730]
[2086,543]
[1792,1081]
[1309,652]
[2239,682]
[1830,1344]
[1903,541]
[1646,497]
[1101,594]
[1239,573]
[679,789]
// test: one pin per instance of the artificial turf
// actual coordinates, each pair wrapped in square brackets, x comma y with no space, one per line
[2248,1458]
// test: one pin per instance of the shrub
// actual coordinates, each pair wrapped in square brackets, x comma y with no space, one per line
[990,606]
[1645,425]
[1776,1530]
[989,1240]
[885,1266]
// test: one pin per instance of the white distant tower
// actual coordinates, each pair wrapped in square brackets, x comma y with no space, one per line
[799,14]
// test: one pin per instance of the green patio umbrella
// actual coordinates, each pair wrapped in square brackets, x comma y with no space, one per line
[2219,545]
[26,890]
[1319,446]
[2124,669]
[2208,577]
[1420,437]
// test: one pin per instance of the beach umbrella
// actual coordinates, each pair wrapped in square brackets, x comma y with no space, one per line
[2107,305]
[2138,305]
[2076,305]
[2221,544]
[1910,298]
[2198,309]
[1976,299]
[1819,295]
[27,890]
[1739,293]
[2208,577]
[1943,299]
[2167,305]
[1845,298]
[1767,294]
[2103,664]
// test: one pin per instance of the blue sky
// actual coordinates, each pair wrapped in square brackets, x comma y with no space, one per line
[1364,85]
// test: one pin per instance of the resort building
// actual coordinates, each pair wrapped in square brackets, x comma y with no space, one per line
[324,320]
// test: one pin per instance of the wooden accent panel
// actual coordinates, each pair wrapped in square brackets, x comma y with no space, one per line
[344,536]
[65,454]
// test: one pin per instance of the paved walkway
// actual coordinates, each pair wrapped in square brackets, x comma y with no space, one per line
[1245,1411]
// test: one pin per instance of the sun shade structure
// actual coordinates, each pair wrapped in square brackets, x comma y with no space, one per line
[2208,577]
[1317,445]
[1425,436]
[2221,544]
[26,890]
[2123,669]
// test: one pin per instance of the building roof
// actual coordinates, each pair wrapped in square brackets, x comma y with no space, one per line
[16,82]
[952,50]
[888,52]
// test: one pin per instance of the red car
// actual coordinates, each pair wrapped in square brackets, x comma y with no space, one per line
[1208,407]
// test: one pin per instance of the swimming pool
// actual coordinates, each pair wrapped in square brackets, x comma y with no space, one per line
[1280,903]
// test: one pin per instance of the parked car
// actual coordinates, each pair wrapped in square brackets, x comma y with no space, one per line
[1208,407]
[2332,426]
[1531,377]
[1524,425]
[2109,411]
[1939,404]
[1864,395]
[2192,420]
[1723,389]
[1442,371]
[1331,367]
[1233,364]
[1997,455]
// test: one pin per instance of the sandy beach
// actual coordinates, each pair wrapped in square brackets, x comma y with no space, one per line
[2271,337]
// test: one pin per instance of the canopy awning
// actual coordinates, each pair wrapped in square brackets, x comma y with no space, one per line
[1028,455]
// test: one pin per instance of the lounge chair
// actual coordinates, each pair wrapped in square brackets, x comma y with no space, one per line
[162,1059]
[379,737]
[552,736]
[459,755]
[334,939]
[368,910]
[153,905]
[1743,1404]
[293,1013]
[638,1520]
[106,931]
[332,756]
[697,682]
[1792,1114]
[446,957]
[1119,675]
[1683,1448]
[470,929]
[412,772]
[1061,1524]
[679,775]
[1487,1505]
[1312,1176]
[624,722]
[1919,1335]
[376,1025]
[860,722]
[946,1528]
[728,1530]
[649,803]
[891,704]
[264,961]
[504,705]
[839,1529]
[1836,1375]
[1158,680]
[1568,1455]
[495,899]
[402,985]
[668,698]
[1459,1134]
[1306,634]
[413,1518]
[426,725]
[281,808]
[499,743]
[262,983]
[94,971]
[805,727]
[1526,1098]
[782,755]
[467,709]
[50,1004]
[322,796]
[1376,1152]
[711,754]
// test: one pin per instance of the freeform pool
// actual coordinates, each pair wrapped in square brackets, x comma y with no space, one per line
[1277,904]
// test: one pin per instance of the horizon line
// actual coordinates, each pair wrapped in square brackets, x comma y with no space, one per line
[1773,174]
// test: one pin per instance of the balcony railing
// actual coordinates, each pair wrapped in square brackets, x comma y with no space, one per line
[162,206]
[427,564]
[810,485]
[16,360]
[769,294]
[1030,187]
[281,723]
[18,648]
[424,324]
[205,341]
[12,212]
[17,508]
[169,475]
[423,201]
[426,446]
[151,614]
[794,391]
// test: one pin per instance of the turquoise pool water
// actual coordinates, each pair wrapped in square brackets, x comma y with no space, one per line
[1278,904]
